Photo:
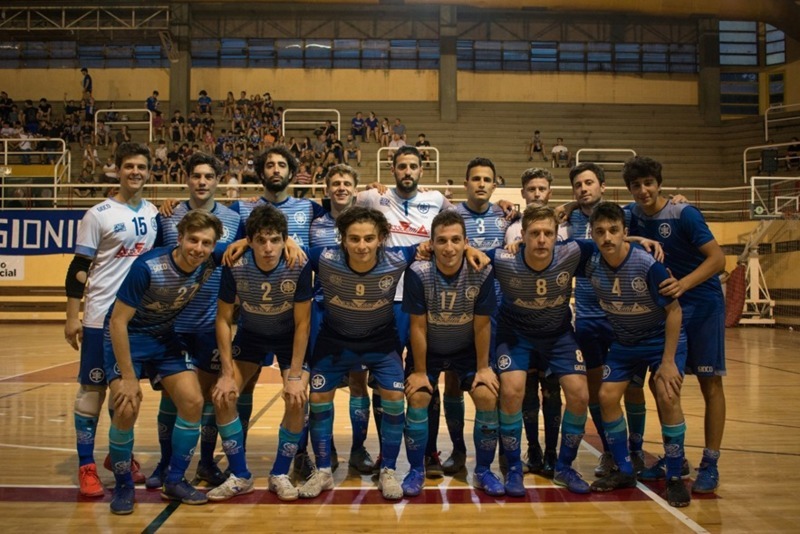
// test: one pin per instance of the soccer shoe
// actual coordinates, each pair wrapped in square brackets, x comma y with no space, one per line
[658,471]
[156,480]
[572,480]
[89,482]
[184,492]
[281,486]
[637,460]
[319,481]
[211,474]
[232,487]
[389,486]
[361,461]
[548,464]
[515,486]
[489,482]
[615,480]
[455,462]
[433,466]
[122,500]
[707,480]
[677,494]
[413,483]
[533,459]
[303,466]
[136,469]
[605,466]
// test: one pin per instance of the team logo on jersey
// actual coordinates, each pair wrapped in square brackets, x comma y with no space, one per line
[242,286]
[236,350]
[336,280]
[639,284]
[606,371]
[320,232]
[104,207]
[507,255]
[424,208]
[386,283]
[384,201]
[119,227]
[288,286]
[500,223]
[504,362]
[97,375]
[664,230]
[329,254]
[158,267]
[563,278]
[446,364]
[300,217]
[116,369]
[154,224]
[471,292]
[317,382]
[516,283]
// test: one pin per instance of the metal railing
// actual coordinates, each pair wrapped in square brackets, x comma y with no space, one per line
[750,162]
[772,110]
[57,161]
[145,111]
[314,121]
[386,163]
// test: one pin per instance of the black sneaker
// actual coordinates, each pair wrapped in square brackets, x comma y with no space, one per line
[677,494]
[303,466]
[615,480]
[211,474]
[455,462]
[534,459]
[433,466]
[548,469]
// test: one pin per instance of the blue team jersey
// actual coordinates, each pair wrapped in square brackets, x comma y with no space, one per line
[159,290]
[586,305]
[450,303]
[536,303]
[266,298]
[682,230]
[299,213]
[486,230]
[200,314]
[359,306]
[324,232]
[629,296]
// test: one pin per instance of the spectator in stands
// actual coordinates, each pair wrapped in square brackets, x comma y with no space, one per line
[329,130]
[159,170]
[112,116]
[352,150]
[25,145]
[560,154]
[320,147]
[177,126]
[7,131]
[102,134]
[203,102]
[86,84]
[238,120]
[13,114]
[335,147]
[29,113]
[5,106]
[152,102]
[268,103]
[45,110]
[71,109]
[500,181]
[243,103]
[373,129]
[399,128]
[209,143]
[249,175]
[536,145]
[122,136]
[87,133]
[90,158]
[793,155]
[421,143]
[176,172]
[302,177]
[232,191]
[161,150]
[88,105]
[358,127]
[229,106]
[448,193]
[386,132]
[192,128]
[397,142]
[158,125]
[110,169]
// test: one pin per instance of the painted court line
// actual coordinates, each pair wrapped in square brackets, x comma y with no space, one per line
[12,377]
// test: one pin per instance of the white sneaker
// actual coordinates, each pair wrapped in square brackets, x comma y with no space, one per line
[231,488]
[389,486]
[321,480]
[283,487]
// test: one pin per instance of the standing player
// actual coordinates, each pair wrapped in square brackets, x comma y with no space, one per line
[647,326]
[111,236]
[274,319]
[450,305]
[195,325]
[694,259]
[139,336]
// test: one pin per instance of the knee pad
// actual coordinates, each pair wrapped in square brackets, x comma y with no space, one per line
[89,400]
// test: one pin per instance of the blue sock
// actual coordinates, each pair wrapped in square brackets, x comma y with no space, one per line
[637,415]
[208,434]
[530,409]
[673,436]
[710,457]
[551,411]
[511,434]
[484,435]
[454,417]
[434,415]
[572,428]
[394,419]
[617,437]
[320,426]
[377,412]
[359,419]
[232,436]
[245,408]
[597,418]
[184,442]
[120,447]
[167,413]
[287,448]
[416,437]
[85,430]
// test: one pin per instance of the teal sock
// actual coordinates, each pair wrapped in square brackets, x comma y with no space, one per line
[232,436]
[511,433]
[359,420]
[416,437]
[637,414]
[287,448]
[597,419]
[85,430]
[184,442]
[394,419]
[617,437]
[454,417]
[674,436]
[320,426]
[572,428]
[208,434]
[120,448]
[484,436]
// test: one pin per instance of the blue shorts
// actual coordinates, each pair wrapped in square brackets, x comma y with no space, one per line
[631,362]
[594,336]
[158,358]
[464,365]
[558,355]
[387,369]
[202,347]
[705,338]
[402,322]
[261,351]
[91,371]
[317,312]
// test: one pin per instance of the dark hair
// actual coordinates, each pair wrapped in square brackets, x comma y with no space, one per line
[344,170]
[608,211]
[201,158]
[406,150]
[199,220]
[266,217]
[448,218]
[535,172]
[480,162]
[261,159]
[535,212]
[587,166]
[358,214]
[641,167]
[127,150]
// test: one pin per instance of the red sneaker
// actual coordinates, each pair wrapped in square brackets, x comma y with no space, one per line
[89,481]
[136,473]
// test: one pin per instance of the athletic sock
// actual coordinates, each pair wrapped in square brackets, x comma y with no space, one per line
[484,436]
[597,419]
[434,416]
[454,417]
[208,434]
[511,433]
[120,448]
[320,426]
[572,429]
[184,442]
[232,437]
[530,408]
[377,412]
[673,436]
[416,435]
[617,437]
[167,413]
[710,457]
[551,411]
[392,432]
[287,448]
[359,419]
[637,415]
[85,430]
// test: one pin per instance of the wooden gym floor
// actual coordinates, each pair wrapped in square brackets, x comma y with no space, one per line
[760,463]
